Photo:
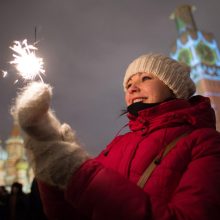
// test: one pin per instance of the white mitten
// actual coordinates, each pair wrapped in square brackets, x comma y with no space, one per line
[33,113]
[53,149]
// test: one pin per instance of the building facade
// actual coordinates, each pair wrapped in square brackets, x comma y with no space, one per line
[14,166]
[199,50]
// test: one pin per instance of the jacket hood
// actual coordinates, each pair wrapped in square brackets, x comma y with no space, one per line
[196,112]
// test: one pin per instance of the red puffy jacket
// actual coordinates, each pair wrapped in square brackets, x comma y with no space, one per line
[185,185]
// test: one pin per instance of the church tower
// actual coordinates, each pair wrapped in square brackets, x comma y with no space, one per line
[14,166]
[14,146]
[200,51]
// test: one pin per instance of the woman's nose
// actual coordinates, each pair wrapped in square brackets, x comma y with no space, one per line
[134,88]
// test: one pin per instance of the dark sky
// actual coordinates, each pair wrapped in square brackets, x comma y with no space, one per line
[86,46]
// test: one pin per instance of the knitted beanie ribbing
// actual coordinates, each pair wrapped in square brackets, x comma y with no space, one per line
[174,74]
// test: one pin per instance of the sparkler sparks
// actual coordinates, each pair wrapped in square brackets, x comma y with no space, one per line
[4,73]
[28,65]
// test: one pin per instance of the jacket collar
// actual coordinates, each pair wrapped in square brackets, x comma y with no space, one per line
[196,112]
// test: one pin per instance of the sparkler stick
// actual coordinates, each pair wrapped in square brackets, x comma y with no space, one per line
[28,65]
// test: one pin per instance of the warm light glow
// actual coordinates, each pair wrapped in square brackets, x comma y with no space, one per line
[28,65]
[4,73]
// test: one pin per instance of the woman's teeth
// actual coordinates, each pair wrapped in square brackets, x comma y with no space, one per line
[138,100]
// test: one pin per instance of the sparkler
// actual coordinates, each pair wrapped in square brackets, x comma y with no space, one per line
[28,65]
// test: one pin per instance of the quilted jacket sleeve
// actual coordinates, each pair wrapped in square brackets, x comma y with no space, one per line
[54,204]
[97,193]
[104,194]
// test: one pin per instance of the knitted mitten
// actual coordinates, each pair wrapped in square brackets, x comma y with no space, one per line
[52,148]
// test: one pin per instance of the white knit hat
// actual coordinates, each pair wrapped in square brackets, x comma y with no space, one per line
[174,74]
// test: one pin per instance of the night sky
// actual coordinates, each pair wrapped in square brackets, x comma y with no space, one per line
[86,46]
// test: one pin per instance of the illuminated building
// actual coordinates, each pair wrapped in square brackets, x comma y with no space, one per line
[14,166]
[200,51]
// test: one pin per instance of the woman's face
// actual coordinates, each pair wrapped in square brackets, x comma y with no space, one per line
[146,88]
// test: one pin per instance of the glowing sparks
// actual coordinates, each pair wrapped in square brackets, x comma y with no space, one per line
[4,73]
[28,65]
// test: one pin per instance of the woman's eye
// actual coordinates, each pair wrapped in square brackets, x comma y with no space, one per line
[145,78]
[128,85]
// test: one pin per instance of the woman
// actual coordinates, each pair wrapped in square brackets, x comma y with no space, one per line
[167,167]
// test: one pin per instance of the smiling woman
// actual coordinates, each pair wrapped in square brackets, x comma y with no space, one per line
[166,167]
[146,88]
